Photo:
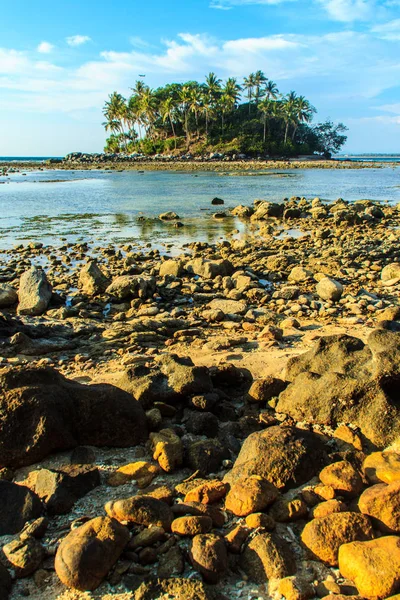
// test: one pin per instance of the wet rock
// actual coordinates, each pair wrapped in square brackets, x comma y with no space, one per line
[167,449]
[8,295]
[59,490]
[268,556]
[329,289]
[24,556]
[132,286]
[92,280]
[168,216]
[323,537]
[373,566]
[285,456]
[191,526]
[381,502]
[217,201]
[87,554]
[343,477]
[34,292]
[251,494]
[209,556]
[19,505]
[143,510]
[43,412]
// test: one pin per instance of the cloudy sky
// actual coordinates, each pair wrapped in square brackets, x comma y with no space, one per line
[59,61]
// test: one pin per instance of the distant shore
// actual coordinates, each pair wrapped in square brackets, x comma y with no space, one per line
[154,164]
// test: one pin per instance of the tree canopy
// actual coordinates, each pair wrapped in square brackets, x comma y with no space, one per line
[218,116]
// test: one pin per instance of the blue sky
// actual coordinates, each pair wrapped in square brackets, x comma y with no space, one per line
[59,61]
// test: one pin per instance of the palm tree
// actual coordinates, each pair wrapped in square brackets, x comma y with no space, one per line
[229,98]
[148,108]
[248,84]
[265,107]
[289,112]
[167,109]
[195,99]
[271,91]
[259,80]
[304,112]
[185,98]
[115,112]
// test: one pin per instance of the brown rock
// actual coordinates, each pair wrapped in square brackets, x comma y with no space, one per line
[87,554]
[24,556]
[343,477]
[208,492]
[260,520]
[209,556]
[143,510]
[176,588]
[382,467]
[147,537]
[171,563]
[323,537]
[191,526]
[250,495]
[167,449]
[141,471]
[284,510]
[18,505]
[327,508]
[268,556]
[235,538]
[382,503]
[324,492]
[295,588]
[343,433]
[373,566]
[197,508]
[262,390]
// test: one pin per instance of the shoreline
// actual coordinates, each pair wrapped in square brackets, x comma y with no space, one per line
[197,165]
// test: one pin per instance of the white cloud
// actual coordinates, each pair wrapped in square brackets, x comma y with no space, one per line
[228,4]
[77,40]
[349,10]
[138,42]
[388,31]
[45,48]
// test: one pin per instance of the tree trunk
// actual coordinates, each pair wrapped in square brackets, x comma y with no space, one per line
[265,127]
[294,132]
[286,132]
[173,130]
[206,123]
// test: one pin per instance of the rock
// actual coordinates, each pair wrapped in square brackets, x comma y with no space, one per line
[208,269]
[285,456]
[235,538]
[390,272]
[208,492]
[8,295]
[199,509]
[171,267]
[285,511]
[228,307]
[343,477]
[299,274]
[381,502]
[34,292]
[323,537]
[19,505]
[256,520]
[374,566]
[141,471]
[143,510]
[323,509]
[296,588]
[171,563]
[205,456]
[59,490]
[267,556]
[184,378]
[209,556]
[24,556]
[132,286]
[167,449]
[92,280]
[264,210]
[168,216]
[217,201]
[147,537]
[382,467]
[191,526]
[251,494]
[42,412]
[87,554]
[83,455]
[329,289]
[176,587]
[262,390]
[5,582]
[343,380]
[243,212]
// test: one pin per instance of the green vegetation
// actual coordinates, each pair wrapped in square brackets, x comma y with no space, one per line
[210,117]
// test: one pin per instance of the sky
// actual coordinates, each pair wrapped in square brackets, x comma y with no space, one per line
[60,61]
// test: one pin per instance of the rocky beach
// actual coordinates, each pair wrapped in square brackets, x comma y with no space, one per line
[218,422]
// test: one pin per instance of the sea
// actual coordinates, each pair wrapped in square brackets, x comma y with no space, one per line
[109,207]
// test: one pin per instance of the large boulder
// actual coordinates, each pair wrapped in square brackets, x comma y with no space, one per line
[391,272]
[175,587]
[87,554]
[34,292]
[342,379]
[42,412]
[8,295]
[132,286]
[285,456]
[329,289]
[18,505]
[268,556]
[209,269]
[92,280]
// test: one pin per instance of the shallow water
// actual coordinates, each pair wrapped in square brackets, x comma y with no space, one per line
[104,206]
